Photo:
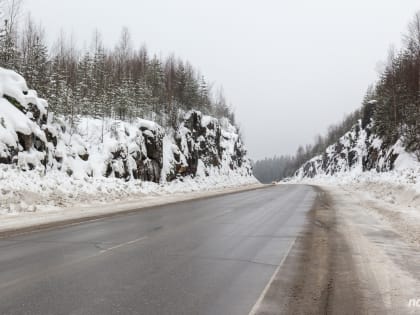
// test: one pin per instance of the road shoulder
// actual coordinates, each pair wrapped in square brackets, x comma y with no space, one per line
[345,261]
[29,222]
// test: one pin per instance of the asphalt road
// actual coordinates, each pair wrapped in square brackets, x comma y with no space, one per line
[209,256]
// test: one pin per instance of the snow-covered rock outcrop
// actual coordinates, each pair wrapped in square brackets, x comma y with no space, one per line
[88,148]
[358,151]
[22,113]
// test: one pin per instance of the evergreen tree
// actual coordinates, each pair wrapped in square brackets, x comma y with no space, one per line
[9,53]
[123,83]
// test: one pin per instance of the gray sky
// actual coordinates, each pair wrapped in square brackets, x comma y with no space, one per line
[290,68]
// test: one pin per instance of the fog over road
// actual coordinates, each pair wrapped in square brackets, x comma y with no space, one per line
[208,256]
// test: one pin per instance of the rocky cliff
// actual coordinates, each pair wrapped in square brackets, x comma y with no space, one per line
[359,150]
[32,139]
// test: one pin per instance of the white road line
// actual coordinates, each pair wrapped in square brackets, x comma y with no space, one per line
[70,263]
[264,292]
[224,213]
[124,244]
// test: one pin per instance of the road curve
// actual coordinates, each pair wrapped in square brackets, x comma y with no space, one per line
[209,256]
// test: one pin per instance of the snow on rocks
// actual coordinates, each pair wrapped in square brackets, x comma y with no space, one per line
[384,179]
[358,151]
[21,113]
[360,163]
[55,162]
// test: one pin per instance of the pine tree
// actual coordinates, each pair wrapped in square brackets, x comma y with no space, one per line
[83,93]
[155,79]
[204,100]
[368,106]
[122,83]
[9,53]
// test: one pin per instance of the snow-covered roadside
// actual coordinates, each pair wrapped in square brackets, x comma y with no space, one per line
[397,205]
[35,192]
[392,197]
[52,199]
[55,168]
[383,246]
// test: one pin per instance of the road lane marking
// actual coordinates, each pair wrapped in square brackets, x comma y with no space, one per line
[123,244]
[264,292]
[134,208]
[69,264]
[223,213]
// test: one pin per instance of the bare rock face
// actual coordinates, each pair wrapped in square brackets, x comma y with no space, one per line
[8,155]
[359,148]
[51,137]
[28,135]
[149,170]
[144,162]
[239,157]
[150,164]
[117,165]
[85,148]
[199,138]
[36,115]
[25,141]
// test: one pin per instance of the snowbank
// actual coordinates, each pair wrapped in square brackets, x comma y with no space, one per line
[22,192]
[386,178]
[393,196]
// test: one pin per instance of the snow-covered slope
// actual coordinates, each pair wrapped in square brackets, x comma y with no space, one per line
[42,155]
[360,153]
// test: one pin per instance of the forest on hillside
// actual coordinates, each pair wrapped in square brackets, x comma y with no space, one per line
[391,106]
[120,82]
[279,167]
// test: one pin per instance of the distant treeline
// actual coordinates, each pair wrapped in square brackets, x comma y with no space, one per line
[280,167]
[392,104]
[121,82]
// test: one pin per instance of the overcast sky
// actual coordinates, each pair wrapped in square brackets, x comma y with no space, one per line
[290,68]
